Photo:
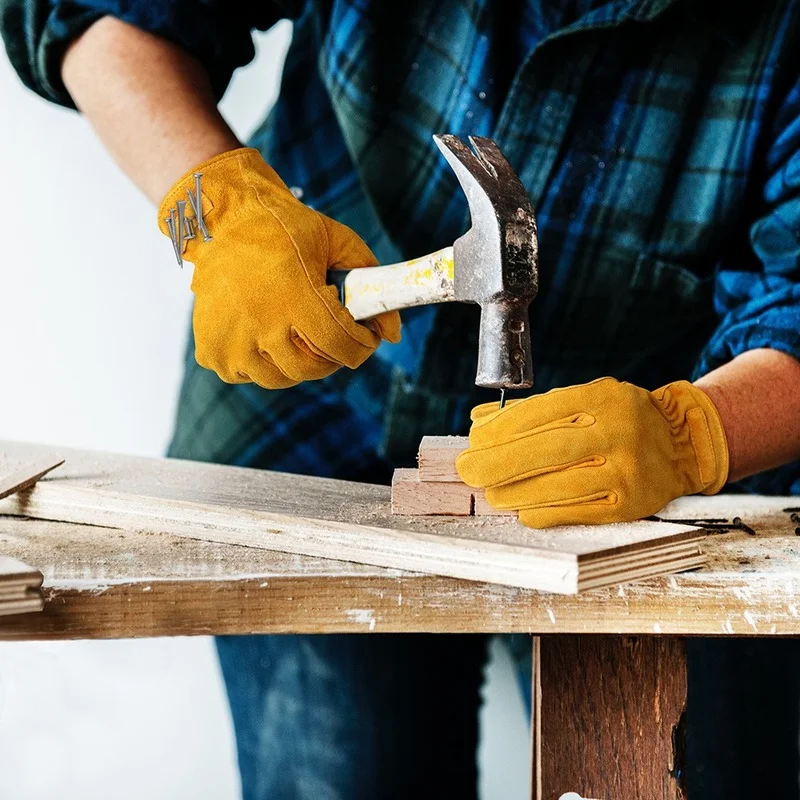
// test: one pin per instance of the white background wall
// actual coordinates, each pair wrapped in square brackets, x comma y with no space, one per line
[93,317]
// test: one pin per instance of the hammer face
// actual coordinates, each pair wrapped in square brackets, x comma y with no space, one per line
[496,261]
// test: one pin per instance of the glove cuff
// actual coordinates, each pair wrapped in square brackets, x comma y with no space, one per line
[707,435]
[204,185]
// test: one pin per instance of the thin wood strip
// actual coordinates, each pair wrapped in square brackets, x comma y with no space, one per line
[24,605]
[25,477]
[665,567]
[20,587]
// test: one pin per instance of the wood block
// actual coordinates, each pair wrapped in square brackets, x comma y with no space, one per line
[481,507]
[412,496]
[608,717]
[437,457]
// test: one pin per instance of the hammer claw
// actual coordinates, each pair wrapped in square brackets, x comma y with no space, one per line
[496,260]
[494,162]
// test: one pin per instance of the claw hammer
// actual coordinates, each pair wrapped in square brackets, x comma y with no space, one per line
[494,264]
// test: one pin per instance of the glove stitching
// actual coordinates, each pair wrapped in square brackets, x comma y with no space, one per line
[315,289]
[179,188]
[578,420]
[602,498]
[305,344]
[587,462]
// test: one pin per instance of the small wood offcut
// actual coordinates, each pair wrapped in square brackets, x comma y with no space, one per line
[435,488]
[21,585]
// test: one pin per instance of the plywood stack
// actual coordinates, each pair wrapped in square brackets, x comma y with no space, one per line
[20,587]
[435,488]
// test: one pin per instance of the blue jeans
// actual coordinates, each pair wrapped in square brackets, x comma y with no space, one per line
[359,716]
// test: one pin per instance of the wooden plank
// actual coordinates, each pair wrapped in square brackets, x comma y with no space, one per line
[102,583]
[20,587]
[414,497]
[437,458]
[609,717]
[557,568]
[335,519]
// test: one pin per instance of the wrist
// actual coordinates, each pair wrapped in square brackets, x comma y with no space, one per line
[194,202]
[174,169]
[698,434]
[710,431]
[721,405]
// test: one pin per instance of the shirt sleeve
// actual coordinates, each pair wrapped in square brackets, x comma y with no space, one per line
[759,304]
[216,32]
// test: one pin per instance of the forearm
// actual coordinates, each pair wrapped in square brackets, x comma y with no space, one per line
[758,398]
[149,101]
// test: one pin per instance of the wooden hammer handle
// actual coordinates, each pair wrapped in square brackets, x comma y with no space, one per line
[370,291]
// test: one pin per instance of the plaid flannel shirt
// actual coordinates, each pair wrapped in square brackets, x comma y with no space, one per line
[659,141]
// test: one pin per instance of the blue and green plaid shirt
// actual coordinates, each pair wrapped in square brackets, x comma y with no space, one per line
[659,141]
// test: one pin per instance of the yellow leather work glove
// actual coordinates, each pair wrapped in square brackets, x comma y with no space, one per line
[263,311]
[601,452]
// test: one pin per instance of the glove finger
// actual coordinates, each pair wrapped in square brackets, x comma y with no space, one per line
[261,369]
[486,409]
[577,485]
[347,249]
[585,514]
[338,336]
[214,355]
[539,410]
[299,362]
[306,346]
[549,448]
[388,326]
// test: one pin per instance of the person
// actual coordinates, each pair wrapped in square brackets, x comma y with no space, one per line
[659,141]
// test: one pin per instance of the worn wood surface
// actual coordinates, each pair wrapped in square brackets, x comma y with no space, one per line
[104,583]
[20,587]
[348,521]
[608,717]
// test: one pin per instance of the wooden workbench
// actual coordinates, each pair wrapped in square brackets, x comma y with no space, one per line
[608,708]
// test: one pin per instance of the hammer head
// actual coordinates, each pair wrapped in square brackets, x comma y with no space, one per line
[496,260]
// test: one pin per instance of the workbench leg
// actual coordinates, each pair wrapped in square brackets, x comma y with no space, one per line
[608,718]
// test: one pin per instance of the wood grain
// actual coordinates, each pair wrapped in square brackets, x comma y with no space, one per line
[412,496]
[337,519]
[104,583]
[20,587]
[610,714]
[437,457]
